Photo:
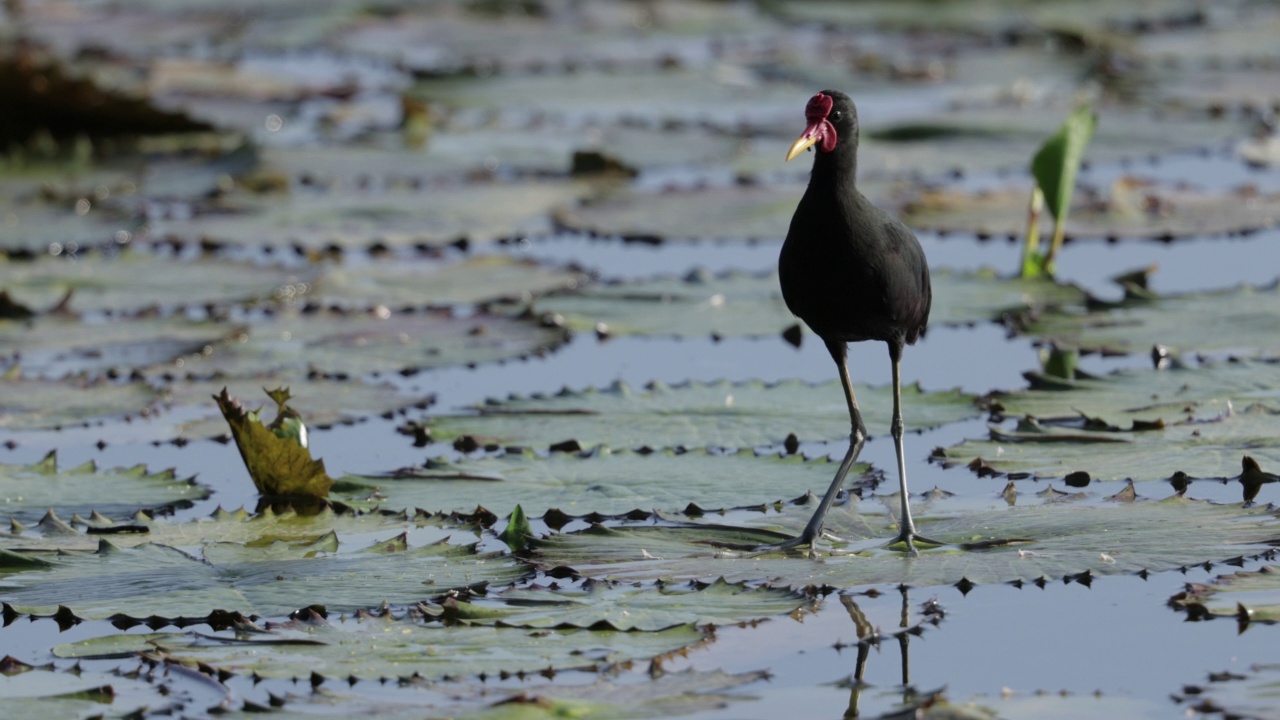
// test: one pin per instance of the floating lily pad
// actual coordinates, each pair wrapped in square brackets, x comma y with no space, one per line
[1030,706]
[447,155]
[1217,88]
[227,526]
[740,415]
[1236,693]
[965,298]
[1065,540]
[187,410]
[604,606]
[446,38]
[358,342]
[668,695]
[48,404]
[610,483]
[372,647]
[1126,396]
[29,491]
[1006,110]
[746,304]
[54,347]
[1245,596]
[986,16]
[731,213]
[267,577]
[699,304]
[356,219]
[39,227]
[47,692]
[399,283]
[1133,209]
[133,281]
[1196,421]
[723,100]
[1242,319]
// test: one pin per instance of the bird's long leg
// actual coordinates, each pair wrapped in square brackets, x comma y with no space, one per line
[907,527]
[857,438]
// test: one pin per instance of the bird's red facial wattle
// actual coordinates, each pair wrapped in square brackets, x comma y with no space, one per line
[820,131]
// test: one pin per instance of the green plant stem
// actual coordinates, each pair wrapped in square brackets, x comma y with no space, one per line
[1032,263]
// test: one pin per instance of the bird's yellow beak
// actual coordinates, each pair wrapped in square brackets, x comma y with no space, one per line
[806,141]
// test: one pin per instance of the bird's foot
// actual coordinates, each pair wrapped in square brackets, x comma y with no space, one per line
[910,537]
[800,540]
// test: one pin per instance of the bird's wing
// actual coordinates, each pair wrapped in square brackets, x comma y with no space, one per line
[906,272]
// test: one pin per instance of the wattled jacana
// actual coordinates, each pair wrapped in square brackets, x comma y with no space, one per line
[852,273]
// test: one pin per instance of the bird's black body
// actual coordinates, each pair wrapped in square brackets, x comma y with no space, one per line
[852,273]
[847,268]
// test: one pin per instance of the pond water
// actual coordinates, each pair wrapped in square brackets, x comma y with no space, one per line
[1084,642]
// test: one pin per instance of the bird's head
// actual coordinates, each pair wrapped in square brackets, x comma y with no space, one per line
[831,116]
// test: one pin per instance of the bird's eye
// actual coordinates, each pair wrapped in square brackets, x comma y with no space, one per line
[835,115]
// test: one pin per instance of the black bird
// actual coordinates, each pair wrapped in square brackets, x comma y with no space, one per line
[852,273]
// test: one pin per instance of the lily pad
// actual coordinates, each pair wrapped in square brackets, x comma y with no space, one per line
[984,295]
[1235,693]
[447,38]
[186,410]
[227,526]
[731,213]
[738,415]
[394,218]
[667,695]
[606,606]
[472,280]
[699,304]
[136,280]
[1061,540]
[51,347]
[1242,319]
[1139,424]
[372,647]
[340,344]
[47,692]
[607,482]
[1134,208]
[1246,596]
[31,404]
[29,491]
[1128,395]
[986,16]
[670,694]
[271,578]
[745,304]
[723,100]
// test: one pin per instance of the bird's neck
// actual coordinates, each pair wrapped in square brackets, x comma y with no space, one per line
[838,169]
